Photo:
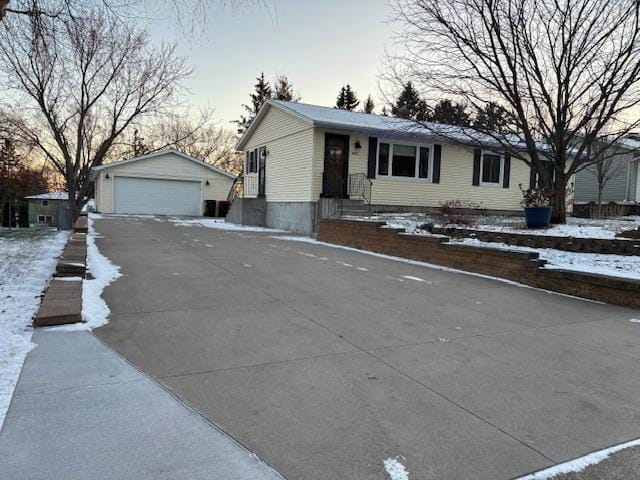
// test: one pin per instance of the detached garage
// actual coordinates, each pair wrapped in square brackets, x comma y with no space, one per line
[162,183]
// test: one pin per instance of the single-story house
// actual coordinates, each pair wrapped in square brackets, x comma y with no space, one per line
[167,182]
[623,185]
[47,208]
[297,154]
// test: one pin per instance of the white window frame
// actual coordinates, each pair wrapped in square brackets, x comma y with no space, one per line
[416,176]
[501,180]
[45,218]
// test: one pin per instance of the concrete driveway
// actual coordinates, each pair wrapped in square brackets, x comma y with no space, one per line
[326,362]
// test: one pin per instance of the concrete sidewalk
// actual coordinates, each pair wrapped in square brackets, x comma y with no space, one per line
[80,411]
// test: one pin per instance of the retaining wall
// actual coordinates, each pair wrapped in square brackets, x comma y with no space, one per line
[521,267]
[569,244]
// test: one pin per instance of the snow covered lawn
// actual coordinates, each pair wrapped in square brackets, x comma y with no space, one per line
[28,262]
[575,227]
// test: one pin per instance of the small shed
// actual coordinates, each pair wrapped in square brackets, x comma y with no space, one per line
[167,182]
[47,208]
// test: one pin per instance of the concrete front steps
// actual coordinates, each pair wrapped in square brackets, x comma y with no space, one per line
[356,208]
[62,301]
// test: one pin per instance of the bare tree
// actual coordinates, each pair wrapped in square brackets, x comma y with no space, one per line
[199,136]
[567,70]
[81,82]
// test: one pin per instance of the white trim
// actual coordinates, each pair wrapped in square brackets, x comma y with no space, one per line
[416,176]
[160,153]
[501,180]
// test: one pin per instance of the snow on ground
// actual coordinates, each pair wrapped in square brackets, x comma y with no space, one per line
[600,263]
[28,262]
[579,464]
[219,224]
[575,227]
[395,469]
[95,311]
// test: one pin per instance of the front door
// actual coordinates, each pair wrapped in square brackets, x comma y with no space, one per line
[336,165]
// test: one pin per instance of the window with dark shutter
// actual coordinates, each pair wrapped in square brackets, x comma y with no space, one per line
[371,165]
[437,155]
[477,158]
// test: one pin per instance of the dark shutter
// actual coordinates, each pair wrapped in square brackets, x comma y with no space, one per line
[532,177]
[477,153]
[507,170]
[437,155]
[373,149]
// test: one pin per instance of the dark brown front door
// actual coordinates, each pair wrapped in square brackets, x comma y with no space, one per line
[336,165]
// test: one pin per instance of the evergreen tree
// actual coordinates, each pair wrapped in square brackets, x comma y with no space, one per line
[262,93]
[450,113]
[409,105]
[385,111]
[369,105]
[347,98]
[492,117]
[283,90]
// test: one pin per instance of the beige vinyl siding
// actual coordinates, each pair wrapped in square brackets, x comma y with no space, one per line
[289,142]
[456,177]
[168,166]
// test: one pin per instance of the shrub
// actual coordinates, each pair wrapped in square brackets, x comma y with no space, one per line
[459,212]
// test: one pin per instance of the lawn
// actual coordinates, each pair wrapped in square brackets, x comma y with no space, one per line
[28,262]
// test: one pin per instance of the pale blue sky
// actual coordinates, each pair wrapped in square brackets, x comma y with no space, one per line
[320,45]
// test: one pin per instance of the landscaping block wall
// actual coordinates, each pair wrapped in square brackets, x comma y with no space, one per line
[585,245]
[525,268]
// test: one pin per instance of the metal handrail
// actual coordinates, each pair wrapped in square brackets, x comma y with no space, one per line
[360,186]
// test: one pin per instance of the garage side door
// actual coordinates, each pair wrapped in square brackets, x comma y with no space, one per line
[156,197]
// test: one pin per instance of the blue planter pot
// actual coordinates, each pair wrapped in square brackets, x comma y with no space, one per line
[537,217]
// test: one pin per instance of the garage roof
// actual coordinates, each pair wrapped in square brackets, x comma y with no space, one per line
[160,153]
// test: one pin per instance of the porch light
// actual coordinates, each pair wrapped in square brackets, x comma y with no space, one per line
[264,153]
[107,175]
[358,145]
[207,183]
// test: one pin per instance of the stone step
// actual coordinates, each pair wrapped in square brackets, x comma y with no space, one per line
[61,304]
[81,225]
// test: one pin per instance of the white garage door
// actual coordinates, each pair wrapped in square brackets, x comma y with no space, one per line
[156,197]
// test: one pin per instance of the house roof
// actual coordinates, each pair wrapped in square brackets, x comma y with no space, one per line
[160,153]
[49,196]
[370,124]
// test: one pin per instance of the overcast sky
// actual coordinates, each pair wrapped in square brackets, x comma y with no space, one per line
[319,45]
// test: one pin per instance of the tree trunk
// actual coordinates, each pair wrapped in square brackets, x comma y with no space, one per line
[599,209]
[559,201]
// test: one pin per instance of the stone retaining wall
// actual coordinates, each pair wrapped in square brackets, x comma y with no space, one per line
[569,244]
[525,268]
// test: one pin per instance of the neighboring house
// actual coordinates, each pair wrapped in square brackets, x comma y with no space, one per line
[624,184]
[47,208]
[297,154]
[167,182]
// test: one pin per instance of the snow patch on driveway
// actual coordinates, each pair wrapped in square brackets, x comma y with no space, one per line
[395,469]
[579,464]
[28,262]
[219,224]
